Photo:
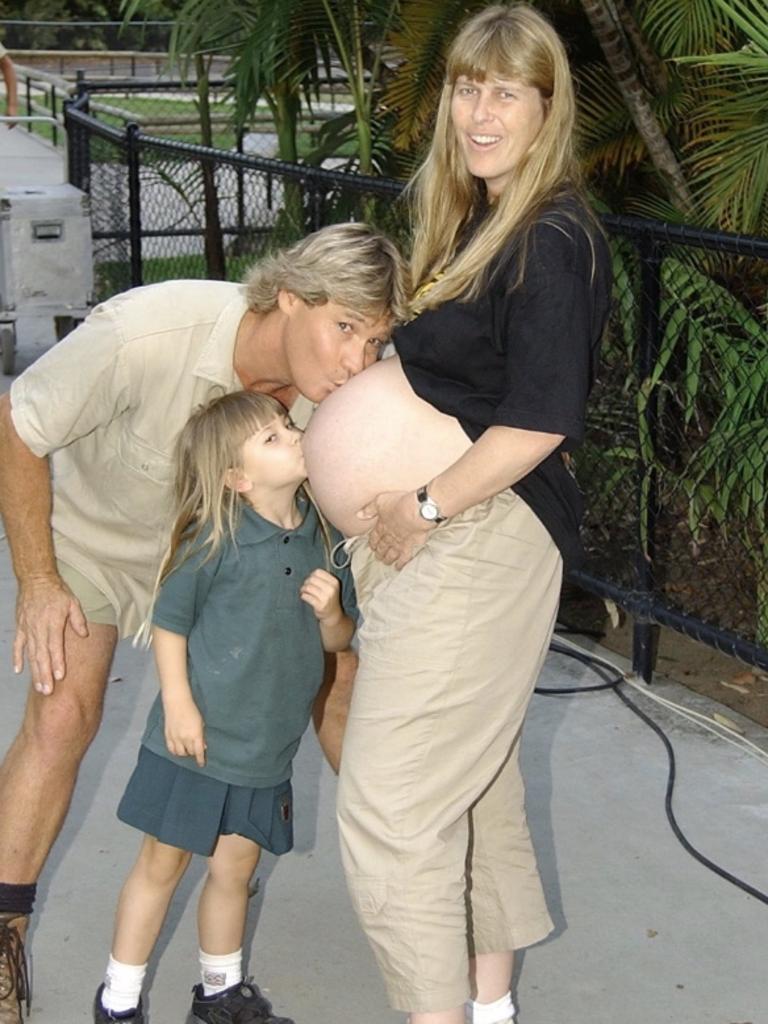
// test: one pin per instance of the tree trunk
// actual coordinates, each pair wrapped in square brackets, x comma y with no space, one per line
[636,97]
[654,67]
[215,262]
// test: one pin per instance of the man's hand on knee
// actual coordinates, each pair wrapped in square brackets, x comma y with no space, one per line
[44,607]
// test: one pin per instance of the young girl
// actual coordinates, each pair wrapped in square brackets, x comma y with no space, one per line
[242,614]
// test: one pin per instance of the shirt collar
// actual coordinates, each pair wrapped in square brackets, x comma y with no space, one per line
[216,359]
[253,528]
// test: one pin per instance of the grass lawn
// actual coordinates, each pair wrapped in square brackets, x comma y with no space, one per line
[147,107]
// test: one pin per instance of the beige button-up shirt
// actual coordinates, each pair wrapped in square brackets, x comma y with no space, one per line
[107,405]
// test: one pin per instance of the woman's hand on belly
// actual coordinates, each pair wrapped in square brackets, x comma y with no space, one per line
[398,531]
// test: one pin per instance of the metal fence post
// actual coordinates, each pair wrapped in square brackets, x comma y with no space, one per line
[645,633]
[315,198]
[81,86]
[83,155]
[74,135]
[132,145]
[240,189]
[54,129]
[78,139]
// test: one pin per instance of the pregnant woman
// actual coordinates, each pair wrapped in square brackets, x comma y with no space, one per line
[454,452]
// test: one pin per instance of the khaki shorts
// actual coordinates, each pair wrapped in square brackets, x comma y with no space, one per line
[434,837]
[95,605]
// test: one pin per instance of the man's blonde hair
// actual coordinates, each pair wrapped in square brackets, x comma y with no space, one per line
[346,263]
[516,43]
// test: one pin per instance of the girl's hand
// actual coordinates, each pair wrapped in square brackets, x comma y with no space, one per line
[321,592]
[185,730]
[398,530]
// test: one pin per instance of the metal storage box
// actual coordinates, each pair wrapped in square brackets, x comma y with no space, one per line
[46,259]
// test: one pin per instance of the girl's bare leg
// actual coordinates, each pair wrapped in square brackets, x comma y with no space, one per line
[223,904]
[145,898]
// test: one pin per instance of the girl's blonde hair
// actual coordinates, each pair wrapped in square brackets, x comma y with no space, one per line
[207,509]
[351,264]
[512,43]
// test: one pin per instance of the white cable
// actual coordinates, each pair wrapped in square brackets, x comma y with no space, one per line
[718,729]
[697,717]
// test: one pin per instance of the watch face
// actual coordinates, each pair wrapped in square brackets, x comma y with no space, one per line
[428,510]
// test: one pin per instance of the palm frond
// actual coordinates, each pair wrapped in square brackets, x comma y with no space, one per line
[727,155]
[750,17]
[608,136]
[679,27]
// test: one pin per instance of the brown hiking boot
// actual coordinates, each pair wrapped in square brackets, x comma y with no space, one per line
[14,980]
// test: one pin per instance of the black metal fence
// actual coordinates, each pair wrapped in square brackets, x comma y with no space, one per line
[675,464]
[151,206]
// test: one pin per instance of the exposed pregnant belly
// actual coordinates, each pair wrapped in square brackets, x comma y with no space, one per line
[372,435]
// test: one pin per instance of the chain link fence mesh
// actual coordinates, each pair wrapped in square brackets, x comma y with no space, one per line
[253,209]
[674,466]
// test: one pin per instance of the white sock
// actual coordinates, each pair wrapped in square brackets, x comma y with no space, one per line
[500,1012]
[122,986]
[220,972]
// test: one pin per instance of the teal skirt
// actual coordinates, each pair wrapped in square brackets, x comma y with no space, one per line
[183,808]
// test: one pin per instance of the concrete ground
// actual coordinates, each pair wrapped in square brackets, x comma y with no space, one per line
[644,934]
[26,159]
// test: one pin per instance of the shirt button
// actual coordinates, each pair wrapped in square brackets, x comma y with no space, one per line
[287,570]
[286,539]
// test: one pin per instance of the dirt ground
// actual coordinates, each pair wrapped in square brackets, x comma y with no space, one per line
[693,664]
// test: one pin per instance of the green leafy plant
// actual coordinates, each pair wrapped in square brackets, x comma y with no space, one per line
[710,382]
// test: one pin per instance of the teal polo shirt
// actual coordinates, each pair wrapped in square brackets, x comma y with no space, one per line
[254,654]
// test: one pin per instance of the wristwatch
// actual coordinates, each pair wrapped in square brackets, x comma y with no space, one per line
[428,508]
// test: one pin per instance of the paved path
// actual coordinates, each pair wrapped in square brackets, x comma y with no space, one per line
[26,159]
[644,934]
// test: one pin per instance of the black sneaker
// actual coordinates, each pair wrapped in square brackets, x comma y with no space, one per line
[239,1004]
[102,1016]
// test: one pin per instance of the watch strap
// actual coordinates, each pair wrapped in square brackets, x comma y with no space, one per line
[423,497]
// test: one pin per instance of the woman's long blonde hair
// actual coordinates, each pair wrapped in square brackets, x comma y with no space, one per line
[512,43]
[206,509]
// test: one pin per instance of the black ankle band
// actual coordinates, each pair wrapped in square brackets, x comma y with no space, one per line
[17,899]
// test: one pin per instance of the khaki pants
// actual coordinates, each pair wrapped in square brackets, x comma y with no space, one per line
[434,837]
[96,606]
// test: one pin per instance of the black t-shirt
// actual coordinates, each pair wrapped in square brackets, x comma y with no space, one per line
[524,356]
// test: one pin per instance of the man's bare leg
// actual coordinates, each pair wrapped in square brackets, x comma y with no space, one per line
[331,708]
[36,783]
[40,769]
